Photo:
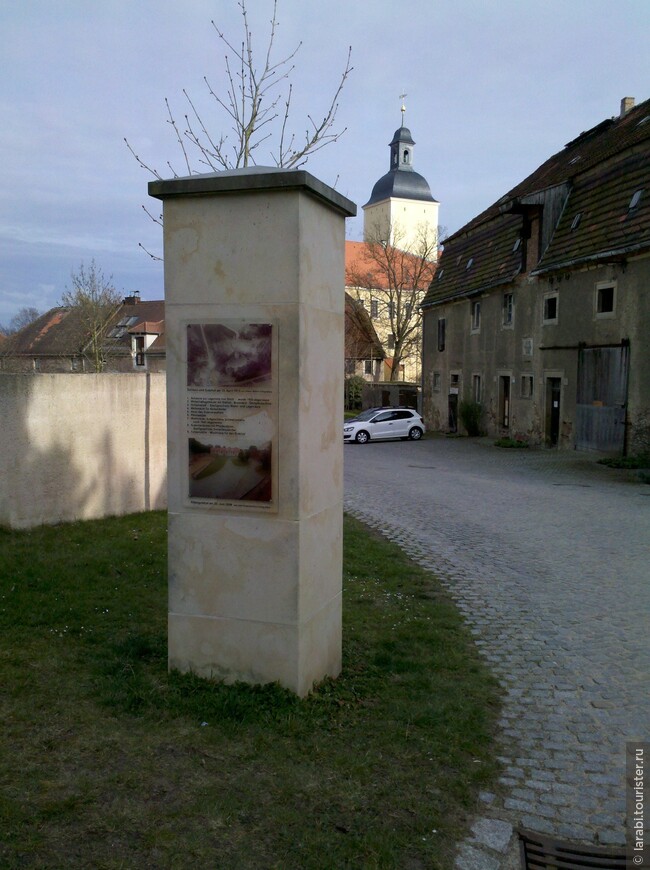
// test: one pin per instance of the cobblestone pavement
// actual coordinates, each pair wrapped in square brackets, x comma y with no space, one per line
[547,555]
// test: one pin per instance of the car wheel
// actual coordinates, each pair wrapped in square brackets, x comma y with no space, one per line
[415,433]
[362,437]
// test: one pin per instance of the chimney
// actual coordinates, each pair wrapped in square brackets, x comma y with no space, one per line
[627,103]
[133,299]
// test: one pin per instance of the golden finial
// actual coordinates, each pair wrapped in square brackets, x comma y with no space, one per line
[403,109]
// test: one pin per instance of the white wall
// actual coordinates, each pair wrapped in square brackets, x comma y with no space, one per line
[81,446]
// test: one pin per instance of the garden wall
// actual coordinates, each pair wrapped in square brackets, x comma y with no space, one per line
[81,446]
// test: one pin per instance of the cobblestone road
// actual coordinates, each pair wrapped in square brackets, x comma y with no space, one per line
[548,556]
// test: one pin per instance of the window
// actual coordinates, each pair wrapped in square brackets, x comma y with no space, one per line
[374,308]
[550,308]
[476,316]
[350,367]
[138,346]
[526,390]
[368,367]
[605,300]
[508,309]
[636,199]
[436,381]
[390,341]
[441,333]
[454,379]
[469,264]
[575,223]
[526,347]
[476,388]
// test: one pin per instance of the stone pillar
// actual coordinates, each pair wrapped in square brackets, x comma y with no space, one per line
[254,321]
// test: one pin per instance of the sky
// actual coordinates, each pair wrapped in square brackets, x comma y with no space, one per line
[494,87]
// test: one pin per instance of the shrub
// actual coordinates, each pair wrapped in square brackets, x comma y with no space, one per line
[510,442]
[471,416]
[353,391]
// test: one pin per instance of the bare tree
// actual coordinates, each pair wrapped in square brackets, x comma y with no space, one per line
[23,318]
[96,299]
[256,102]
[391,281]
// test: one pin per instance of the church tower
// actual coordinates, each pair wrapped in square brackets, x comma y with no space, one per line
[400,204]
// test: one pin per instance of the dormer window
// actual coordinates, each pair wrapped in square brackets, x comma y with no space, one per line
[469,264]
[516,245]
[575,223]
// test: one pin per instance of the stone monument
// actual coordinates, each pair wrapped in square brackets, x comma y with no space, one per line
[254,320]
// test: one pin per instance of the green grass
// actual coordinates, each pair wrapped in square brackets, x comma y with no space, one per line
[641,461]
[108,761]
[216,465]
[510,442]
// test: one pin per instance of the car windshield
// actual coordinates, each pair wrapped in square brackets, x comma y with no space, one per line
[366,415]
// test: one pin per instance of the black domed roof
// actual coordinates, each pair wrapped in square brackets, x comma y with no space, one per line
[403,184]
[401,181]
[403,136]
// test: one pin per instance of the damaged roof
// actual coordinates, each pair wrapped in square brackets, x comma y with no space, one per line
[588,190]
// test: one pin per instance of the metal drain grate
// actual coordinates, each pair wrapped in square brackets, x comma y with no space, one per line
[539,852]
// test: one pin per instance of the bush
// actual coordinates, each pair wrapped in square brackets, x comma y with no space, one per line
[471,416]
[353,392]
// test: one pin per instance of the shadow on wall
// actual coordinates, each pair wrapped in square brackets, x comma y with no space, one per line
[80,446]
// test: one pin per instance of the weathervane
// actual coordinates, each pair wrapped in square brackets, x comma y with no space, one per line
[403,109]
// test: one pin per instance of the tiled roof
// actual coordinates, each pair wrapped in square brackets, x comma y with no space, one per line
[361,341]
[362,269]
[590,148]
[63,332]
[148,327]
[485,258]
[597,220]
[599,170]
[58,332]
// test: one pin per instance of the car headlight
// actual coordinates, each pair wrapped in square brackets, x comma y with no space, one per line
[348,428]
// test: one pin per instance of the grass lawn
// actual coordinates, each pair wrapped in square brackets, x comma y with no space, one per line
[108,761]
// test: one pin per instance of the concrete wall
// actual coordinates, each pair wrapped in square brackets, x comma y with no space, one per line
[81,447]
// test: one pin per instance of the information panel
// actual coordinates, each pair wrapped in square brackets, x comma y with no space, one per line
[231,414]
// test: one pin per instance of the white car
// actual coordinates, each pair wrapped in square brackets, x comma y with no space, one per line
[378,423]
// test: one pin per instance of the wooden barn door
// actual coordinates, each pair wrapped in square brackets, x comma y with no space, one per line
[602,398]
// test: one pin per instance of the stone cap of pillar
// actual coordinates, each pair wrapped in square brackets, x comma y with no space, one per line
[250,180]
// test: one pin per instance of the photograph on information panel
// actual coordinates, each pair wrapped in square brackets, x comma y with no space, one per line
[231,413]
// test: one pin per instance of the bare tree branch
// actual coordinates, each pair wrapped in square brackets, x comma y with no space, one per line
[250,98]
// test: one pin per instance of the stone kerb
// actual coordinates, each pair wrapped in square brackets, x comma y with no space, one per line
[254,277]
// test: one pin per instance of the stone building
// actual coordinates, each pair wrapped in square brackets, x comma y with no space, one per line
[540,308]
